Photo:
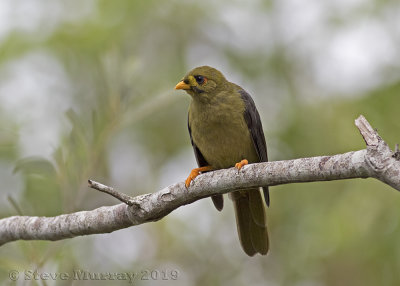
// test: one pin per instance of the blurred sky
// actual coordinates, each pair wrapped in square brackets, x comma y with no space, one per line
[350,59]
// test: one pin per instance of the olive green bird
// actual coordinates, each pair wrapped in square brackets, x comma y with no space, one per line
[225,130]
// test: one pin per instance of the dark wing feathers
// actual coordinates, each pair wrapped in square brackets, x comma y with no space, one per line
[253,122]
[201,162]
[218,200]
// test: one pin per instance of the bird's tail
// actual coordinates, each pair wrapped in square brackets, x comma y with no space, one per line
[251,221]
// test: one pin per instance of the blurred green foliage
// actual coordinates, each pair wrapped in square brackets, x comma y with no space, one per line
[121,123]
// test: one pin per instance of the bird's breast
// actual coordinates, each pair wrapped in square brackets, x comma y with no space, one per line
[222,136]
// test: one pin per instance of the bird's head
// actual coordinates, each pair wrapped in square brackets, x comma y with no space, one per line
[202,82]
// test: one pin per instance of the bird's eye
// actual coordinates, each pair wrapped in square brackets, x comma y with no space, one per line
[200,79]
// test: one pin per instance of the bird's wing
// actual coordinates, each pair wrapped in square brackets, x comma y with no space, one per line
[218,200]
[253,122]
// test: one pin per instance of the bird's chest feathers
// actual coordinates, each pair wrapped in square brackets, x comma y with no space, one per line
[221,134]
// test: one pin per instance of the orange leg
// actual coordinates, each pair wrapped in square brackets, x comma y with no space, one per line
[241,164]
[194,173]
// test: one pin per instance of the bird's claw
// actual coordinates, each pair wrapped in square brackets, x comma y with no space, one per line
[194,173]
[240,164]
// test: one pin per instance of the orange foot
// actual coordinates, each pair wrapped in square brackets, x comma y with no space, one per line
[241,164]
[194,173]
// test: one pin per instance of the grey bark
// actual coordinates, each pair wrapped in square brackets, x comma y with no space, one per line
[376,161]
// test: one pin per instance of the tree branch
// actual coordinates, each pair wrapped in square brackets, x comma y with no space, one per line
[111,191]
[376,161]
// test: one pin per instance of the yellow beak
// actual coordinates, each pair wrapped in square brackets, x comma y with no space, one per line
[182,85]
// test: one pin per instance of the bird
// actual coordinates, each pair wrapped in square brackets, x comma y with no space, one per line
[225,131]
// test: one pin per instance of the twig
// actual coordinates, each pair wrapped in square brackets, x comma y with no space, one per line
[111,191]
[369,134]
